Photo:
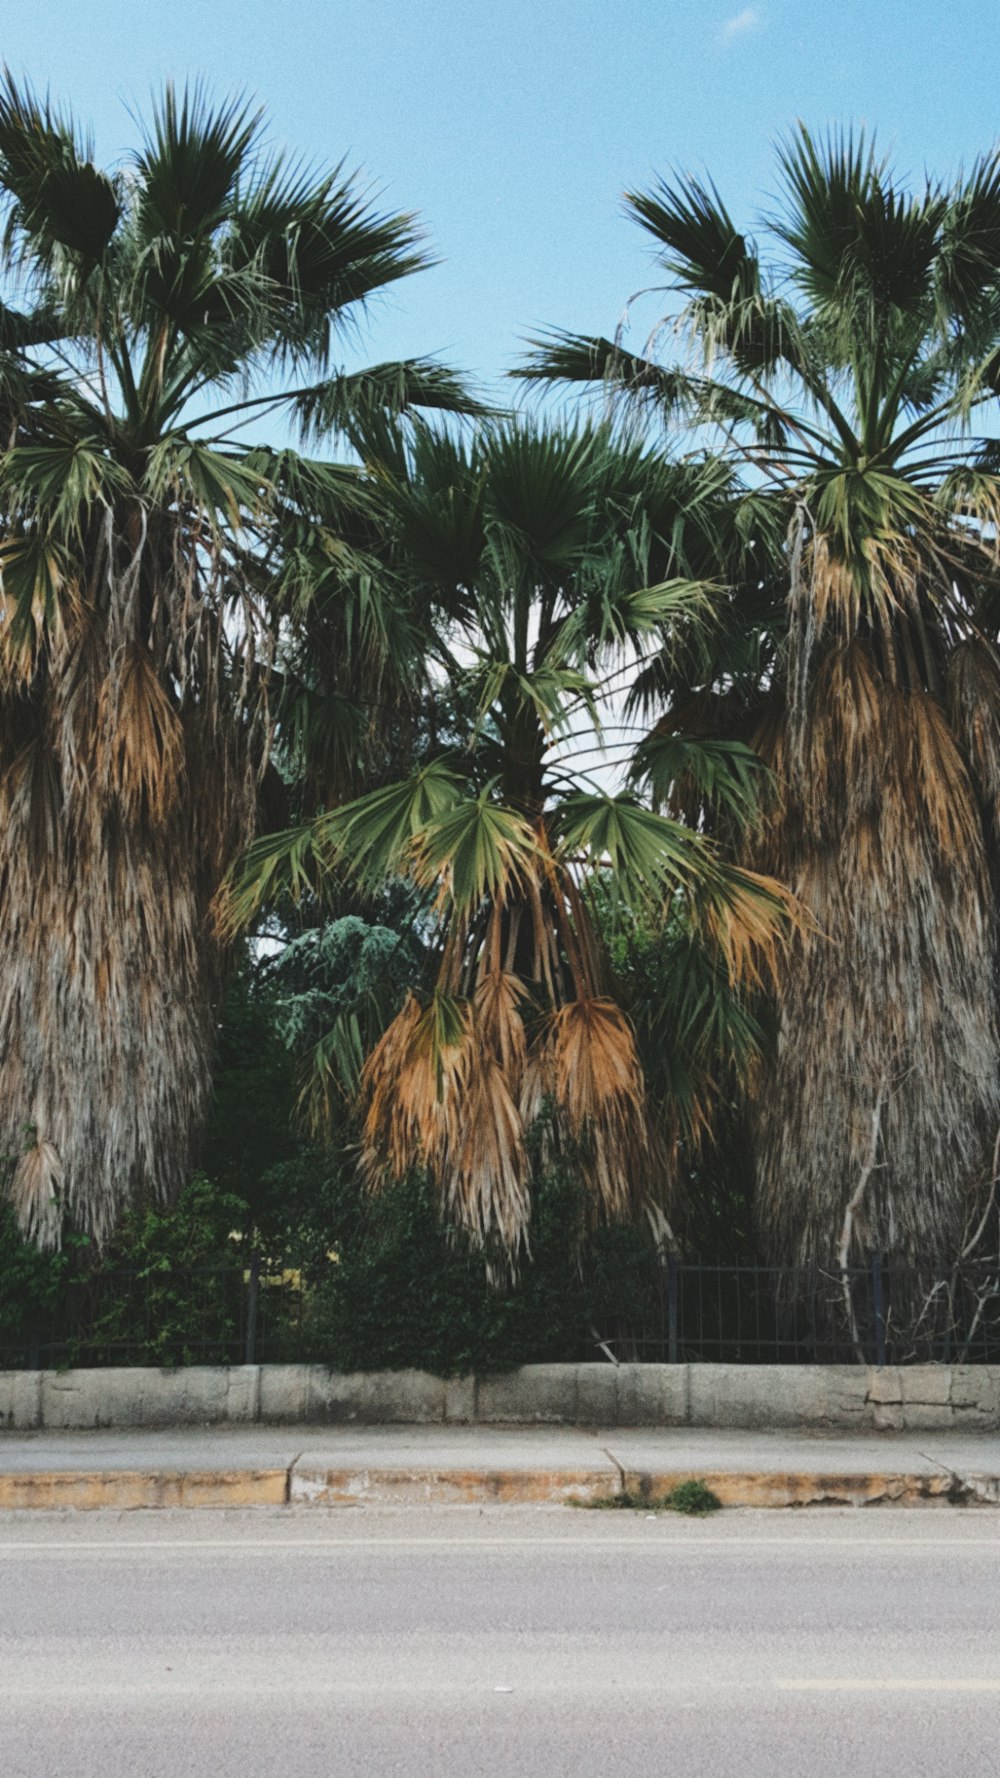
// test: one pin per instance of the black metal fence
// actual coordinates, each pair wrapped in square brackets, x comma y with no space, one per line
[741,1312]
[221,1314]
[693,1311]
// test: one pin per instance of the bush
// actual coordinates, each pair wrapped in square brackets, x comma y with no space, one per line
[405,1291]
[356,1282]
[170,1289]
[31,1283]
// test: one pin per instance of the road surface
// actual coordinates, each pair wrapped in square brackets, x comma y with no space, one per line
[506,1643]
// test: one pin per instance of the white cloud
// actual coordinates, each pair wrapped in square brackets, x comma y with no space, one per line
[740,24]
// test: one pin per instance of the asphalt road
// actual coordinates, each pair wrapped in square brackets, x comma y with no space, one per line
[507,1643]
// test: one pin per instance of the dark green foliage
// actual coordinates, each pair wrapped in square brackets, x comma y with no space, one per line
[405,1291]
[170,1288]
[168,1291]
[30,1282]
[335,987]
[355,1282]
[698,1038]
[249,1129]
[694,1498]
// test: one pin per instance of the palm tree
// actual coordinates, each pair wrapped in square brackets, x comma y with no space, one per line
[843,370]
[547,565]
[150,315]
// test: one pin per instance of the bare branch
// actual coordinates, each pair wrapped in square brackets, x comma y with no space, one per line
[853,1205]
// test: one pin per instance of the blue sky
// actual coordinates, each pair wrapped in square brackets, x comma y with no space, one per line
[514,128]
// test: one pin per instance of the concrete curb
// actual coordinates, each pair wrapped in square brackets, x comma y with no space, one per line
[791,1488]
[305,1484]
[453,1487]
[125,1490]
[917,1398]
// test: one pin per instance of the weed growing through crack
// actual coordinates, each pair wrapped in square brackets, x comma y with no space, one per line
[695,1499]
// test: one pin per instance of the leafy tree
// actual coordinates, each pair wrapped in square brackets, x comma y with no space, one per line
[845,363]
[545,566]
[336,987]
[150,316]
[250,1127]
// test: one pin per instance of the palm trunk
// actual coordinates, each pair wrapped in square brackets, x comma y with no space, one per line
[893,995]
[119,813]
[106,983]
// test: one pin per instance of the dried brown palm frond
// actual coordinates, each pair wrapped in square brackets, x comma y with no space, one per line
[483,1169]
[439,1091]
[35,1192]
[894,988]
[974,703]
[463,1107]
[587,1062]
[141,753]
[416,1070]
[748,922]
[497,1012]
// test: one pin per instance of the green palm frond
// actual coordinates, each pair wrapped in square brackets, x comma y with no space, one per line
[648,858]
[969,260]
[348,403]
[58,197]
[222,485]
[377,836]
[727,776]
[274,867]
[704,248]
[476,850]
[675,394]
[63,481]
[191,162]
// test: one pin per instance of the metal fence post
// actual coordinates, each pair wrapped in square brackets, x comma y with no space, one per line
[253,1298]
[878,1304]
[672,1282]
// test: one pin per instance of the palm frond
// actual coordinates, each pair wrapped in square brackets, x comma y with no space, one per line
[60,199]
[348,402]
[689,773]
[704,249]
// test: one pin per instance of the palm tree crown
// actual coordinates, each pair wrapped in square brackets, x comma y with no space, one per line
[546,565]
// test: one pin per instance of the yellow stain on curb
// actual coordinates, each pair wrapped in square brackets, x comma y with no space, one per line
[792,1488]
[123,1490]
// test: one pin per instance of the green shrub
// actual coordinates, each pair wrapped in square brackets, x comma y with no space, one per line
[32,1284]
[403,1291]
[349,1280]
[169,1289]
[694,1498]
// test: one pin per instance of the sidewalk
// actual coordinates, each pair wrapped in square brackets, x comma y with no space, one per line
[349,1466]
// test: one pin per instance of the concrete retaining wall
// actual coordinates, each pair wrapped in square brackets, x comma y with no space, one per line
[917,1398]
